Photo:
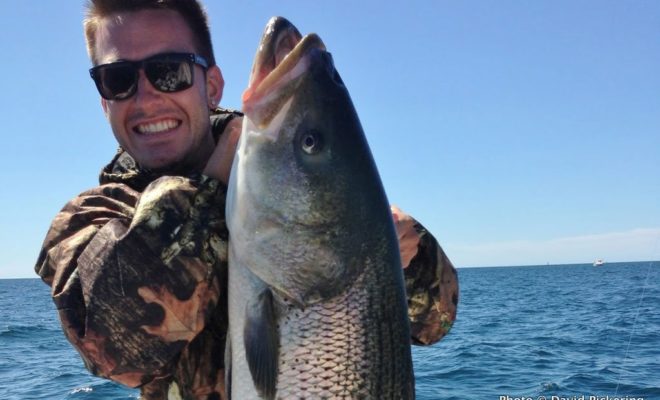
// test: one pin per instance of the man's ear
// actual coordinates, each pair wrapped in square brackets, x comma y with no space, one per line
[214,85]
[104,105]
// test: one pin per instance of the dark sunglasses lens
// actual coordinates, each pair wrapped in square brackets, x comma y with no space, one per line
[169,75]
[117,82]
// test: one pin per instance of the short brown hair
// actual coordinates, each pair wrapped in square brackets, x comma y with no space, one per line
[191,11]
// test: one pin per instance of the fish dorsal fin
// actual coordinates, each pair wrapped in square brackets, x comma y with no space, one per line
[262,343]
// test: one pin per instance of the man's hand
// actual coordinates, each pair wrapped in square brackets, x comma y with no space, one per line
[219,165]
[407,235]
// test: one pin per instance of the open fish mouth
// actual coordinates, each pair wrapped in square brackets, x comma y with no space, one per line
[284,55]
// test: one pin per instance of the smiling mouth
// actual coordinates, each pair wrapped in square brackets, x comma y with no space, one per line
[157,127]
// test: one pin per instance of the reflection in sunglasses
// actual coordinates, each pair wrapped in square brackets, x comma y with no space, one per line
[169,72]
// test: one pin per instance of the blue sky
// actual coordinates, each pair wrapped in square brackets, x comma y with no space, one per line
[518,132]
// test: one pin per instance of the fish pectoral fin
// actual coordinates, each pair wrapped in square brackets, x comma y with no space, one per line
[262,342]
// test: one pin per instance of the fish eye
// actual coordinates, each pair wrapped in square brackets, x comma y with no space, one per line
[310,142]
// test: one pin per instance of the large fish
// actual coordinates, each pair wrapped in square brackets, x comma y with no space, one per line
[317,305]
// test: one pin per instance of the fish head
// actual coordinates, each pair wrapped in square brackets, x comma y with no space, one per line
[305,168]
[301,124]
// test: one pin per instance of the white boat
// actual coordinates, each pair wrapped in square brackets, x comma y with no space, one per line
[599,262]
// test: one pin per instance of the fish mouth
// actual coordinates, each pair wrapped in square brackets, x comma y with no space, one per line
[284,55]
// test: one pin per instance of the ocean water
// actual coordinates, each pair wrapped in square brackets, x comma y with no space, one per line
[523,332]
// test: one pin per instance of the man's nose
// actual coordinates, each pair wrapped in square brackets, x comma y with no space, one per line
[145,91]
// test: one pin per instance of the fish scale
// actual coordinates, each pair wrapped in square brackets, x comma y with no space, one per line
[337,342]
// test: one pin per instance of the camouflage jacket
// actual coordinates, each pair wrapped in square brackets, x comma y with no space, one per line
[138,269]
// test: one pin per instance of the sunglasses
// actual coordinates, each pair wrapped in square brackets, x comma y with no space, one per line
[167,72]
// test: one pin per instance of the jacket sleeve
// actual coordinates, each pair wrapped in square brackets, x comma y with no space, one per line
[432,291]
[135,276]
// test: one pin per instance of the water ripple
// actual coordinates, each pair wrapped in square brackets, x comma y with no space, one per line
[532,331]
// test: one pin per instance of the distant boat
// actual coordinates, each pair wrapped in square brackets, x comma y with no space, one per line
[599,262]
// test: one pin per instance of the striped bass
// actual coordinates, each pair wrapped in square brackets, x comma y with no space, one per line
[317,306]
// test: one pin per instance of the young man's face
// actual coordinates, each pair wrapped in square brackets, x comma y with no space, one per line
[158,129]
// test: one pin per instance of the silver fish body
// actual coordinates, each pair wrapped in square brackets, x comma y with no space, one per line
[317,306]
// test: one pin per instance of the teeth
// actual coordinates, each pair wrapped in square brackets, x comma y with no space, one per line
[157,127]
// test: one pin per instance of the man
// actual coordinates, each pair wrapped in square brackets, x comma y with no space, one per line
[138,264]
